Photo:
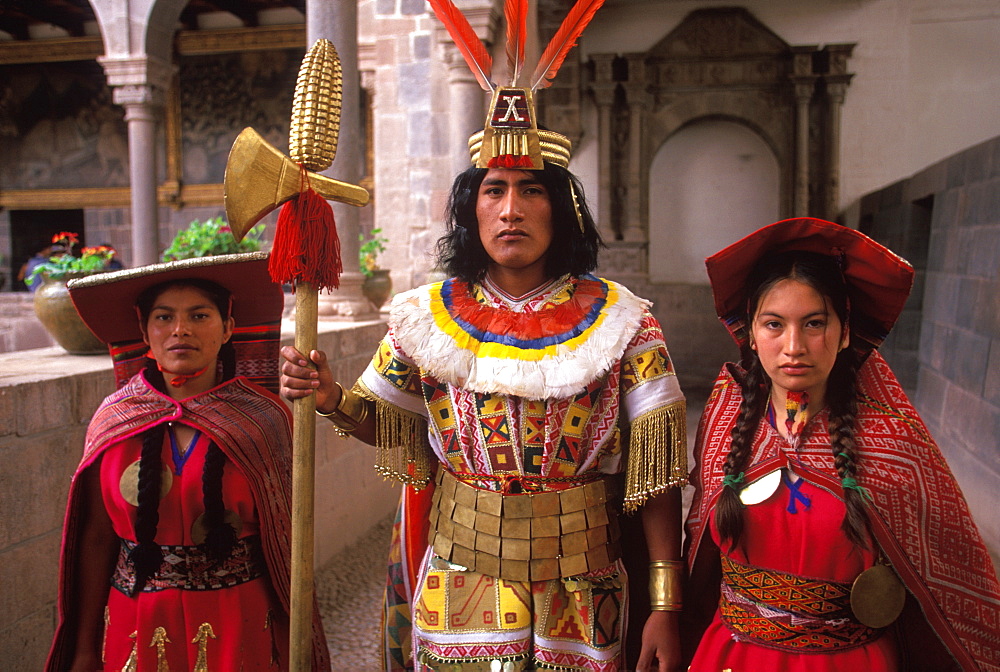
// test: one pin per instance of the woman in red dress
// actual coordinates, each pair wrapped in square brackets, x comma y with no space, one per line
[840,537]
[175,549]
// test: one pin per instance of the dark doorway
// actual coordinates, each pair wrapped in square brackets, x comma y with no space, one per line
[31,231]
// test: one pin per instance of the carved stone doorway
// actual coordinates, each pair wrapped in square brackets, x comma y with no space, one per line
[717,64]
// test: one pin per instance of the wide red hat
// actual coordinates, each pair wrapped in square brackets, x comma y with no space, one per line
[878,280]
[106,302]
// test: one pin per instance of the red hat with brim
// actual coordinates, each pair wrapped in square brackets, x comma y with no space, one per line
[878,280]
[106,302]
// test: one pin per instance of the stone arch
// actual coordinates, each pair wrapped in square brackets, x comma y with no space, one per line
[138,42]
[134,27]
[711,182]
[752,114]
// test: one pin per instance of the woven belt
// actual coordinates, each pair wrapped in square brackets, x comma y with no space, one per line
[788,612]
[525,537]
[189,567]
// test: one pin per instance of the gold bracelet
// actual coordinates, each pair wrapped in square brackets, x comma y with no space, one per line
[665,585]
[351,412]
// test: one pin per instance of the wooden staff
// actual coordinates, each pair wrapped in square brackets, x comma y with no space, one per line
[306,253]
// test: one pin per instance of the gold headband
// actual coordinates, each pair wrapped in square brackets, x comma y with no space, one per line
[553,147]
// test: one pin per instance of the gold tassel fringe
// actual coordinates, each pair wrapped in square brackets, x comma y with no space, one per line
[657,457]
[402,451]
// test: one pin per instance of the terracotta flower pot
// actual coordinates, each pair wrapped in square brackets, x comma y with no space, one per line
[377,286]
[57,314]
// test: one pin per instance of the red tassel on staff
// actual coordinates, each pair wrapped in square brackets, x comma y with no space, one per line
[306,246]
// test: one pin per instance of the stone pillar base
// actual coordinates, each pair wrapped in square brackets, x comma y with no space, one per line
[348,302]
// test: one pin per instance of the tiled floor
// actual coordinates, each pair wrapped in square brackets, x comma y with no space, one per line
[349,590]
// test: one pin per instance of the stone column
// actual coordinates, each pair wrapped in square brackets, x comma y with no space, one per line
[466,108]
[467,100]
[603,89]
[638,99]
[804,82]
[138,84]
[836,87]
[337,21]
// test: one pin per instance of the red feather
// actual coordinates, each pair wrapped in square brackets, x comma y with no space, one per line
[465,38]
[564,40]
[516,13]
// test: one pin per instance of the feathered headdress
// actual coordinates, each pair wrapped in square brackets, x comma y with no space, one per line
[510,138]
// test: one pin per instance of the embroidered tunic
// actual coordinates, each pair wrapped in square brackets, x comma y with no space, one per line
[537,390]
[920,520]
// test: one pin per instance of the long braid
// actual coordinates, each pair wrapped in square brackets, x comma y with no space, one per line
[843,400]
[227,355]
[147,556]
[220,537]
[729,508]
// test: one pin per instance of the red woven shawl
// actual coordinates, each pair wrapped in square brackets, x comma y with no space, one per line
[250,425]
[919,516]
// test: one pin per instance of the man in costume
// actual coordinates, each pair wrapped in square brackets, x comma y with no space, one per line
[845,540]
[510,398]
[175,547]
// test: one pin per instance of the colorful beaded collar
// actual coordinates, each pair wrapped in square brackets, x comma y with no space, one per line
[551,352]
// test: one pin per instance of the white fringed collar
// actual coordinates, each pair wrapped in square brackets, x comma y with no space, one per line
[554,347]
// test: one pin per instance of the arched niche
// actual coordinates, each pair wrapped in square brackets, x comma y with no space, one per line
[710,183]
[718,63]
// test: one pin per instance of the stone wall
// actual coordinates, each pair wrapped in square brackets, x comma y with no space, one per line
[698,343]
[946,221]
[412,170]
[19,327]
[46,401]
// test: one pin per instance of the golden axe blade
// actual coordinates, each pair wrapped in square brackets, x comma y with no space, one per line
[259,178]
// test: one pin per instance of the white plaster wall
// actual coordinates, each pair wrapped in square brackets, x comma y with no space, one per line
[927,72]
[955,68]
[711,183]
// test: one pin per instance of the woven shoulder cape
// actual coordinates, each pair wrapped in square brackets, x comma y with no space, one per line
[250,425]
[919,516]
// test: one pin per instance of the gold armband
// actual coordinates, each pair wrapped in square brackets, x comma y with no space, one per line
[350,413]
[665,585]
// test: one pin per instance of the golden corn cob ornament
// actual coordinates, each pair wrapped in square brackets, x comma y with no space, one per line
[312,139]
[306,254]
[306,247]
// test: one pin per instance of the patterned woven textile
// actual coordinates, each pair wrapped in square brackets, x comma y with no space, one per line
[918,514]
[784,611]
[189,568]
[468,619]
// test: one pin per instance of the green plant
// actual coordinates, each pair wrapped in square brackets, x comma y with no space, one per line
[210,238]
[91,260]
[369,251]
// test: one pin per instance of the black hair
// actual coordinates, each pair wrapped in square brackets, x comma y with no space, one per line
[460,252]
[822,273]
[146,557]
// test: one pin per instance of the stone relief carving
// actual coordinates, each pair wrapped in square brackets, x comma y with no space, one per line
[60,128]
[221,94]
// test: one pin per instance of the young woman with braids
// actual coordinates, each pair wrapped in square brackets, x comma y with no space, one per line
[175,550]
[840,537]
